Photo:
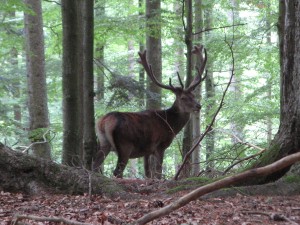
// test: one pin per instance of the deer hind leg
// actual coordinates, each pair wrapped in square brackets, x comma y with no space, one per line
[101,154]
[121,164]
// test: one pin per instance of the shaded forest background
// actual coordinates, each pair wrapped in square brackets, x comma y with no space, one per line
[249,117]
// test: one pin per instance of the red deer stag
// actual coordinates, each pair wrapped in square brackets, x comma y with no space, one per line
[138,134]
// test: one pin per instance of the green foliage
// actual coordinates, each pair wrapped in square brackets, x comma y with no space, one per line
[118,23]
[292,178]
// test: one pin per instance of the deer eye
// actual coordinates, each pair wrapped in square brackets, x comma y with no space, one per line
[183,98]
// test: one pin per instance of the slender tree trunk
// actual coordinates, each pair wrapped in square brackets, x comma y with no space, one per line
[236,129]
[99,54]
[196,116]
[210,95]
[72,83]
[89,135]
[131,64]
[36,79]
[188,130]
[269,84]
[180,68]
[16,92]
[153,46]
[141,70]
[16,89]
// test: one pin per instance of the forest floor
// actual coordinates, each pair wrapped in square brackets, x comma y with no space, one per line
[236,208]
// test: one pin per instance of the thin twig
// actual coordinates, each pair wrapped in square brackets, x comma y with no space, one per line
[56,2]
[261,150]
[213,119]
[18,218]
[272,216]
[243,159]
[38,142]
[215,28]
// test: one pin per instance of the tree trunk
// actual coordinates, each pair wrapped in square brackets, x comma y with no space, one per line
[16,89]
[36,80]
[28,174]
[236,129]
[287,139]
[99,54]
[188,130]
[89,135]
[210,96]
[141,70]
[153,46]
[72,89]
[195,117]
[269,81]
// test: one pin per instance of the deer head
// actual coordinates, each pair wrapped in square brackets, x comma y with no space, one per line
[185,99]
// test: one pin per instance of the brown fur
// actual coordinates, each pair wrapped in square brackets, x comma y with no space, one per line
[141,134]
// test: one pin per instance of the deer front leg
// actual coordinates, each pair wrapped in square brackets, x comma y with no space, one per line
[159,158]
[147,168]
[153,164]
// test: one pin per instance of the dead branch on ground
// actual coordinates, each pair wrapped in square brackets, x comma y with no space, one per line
[272,216]
[226,182]
[17,220]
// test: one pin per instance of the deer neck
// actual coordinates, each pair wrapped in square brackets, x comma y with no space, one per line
[174,118]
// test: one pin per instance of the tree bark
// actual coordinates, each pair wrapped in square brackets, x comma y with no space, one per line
[287,139]
[154,53]
[195,117]
[236,129]
[210,95]
[188,129]
[72,89]
[31,175]
[141,49]
[36,80]
[99,53]
[269,81]
[89,135]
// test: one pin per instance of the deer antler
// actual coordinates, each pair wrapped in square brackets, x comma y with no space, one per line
[149,71]
[198,78]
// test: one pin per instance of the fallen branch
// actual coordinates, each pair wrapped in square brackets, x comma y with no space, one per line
[226,182]
[18,218]
[272,216]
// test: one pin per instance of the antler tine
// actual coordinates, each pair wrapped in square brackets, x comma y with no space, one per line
[197,80]
[180,81]
[149,71]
